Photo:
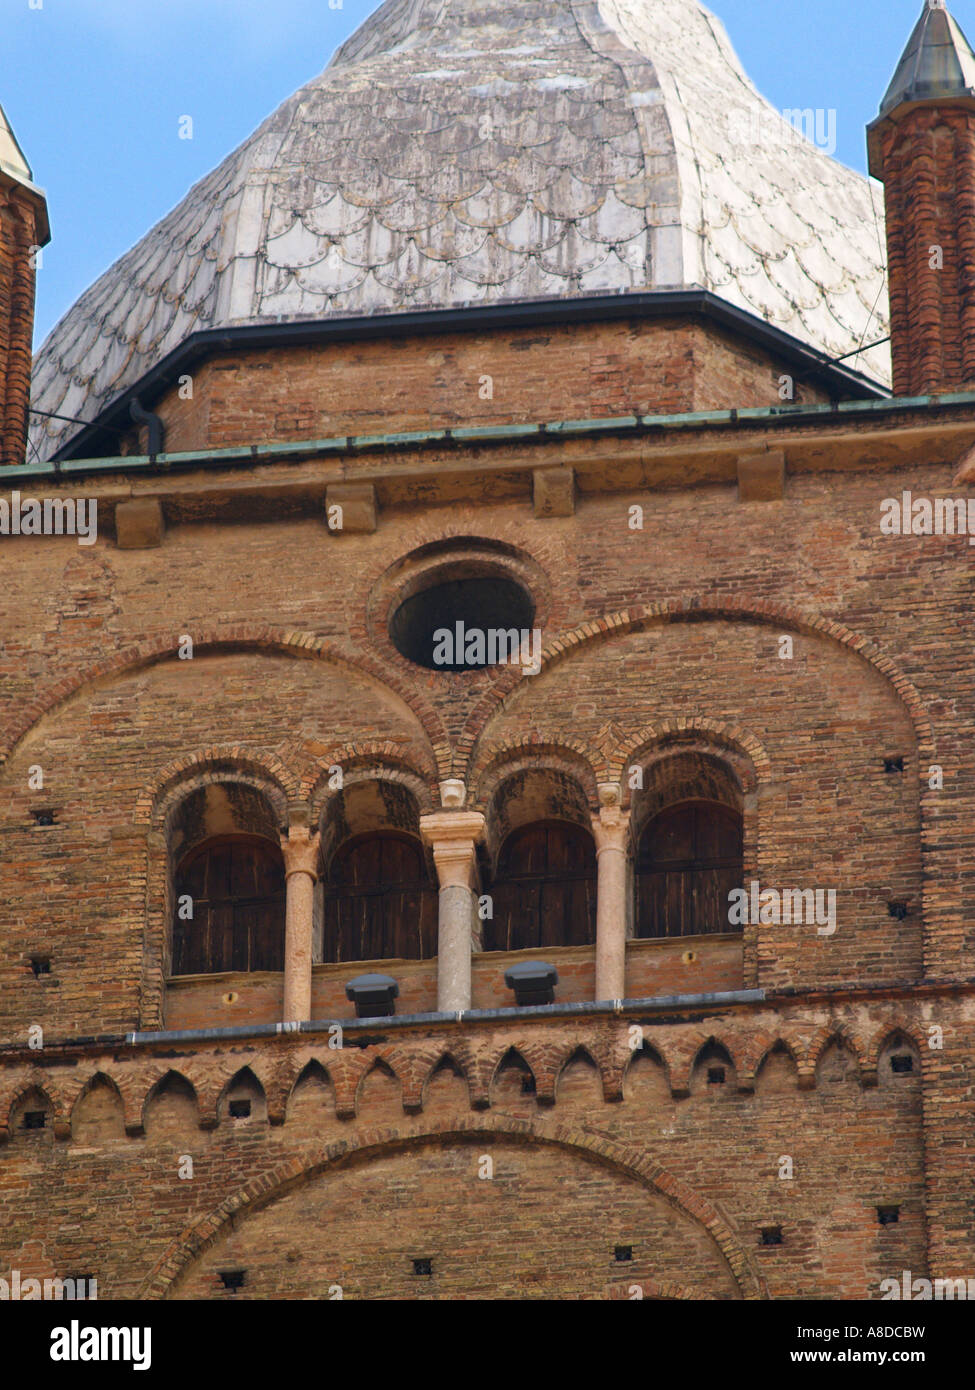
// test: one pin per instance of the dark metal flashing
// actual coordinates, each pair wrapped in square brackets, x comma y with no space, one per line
[816,367]
[677,1007]
[624,426]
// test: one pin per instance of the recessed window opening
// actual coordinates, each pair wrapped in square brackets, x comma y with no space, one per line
[888,1216]
[423,1266]
[464,623]
[623,1253]
[380,902]
[229,907]
[544,892]
[771,1235]
[716,1076]
[233,1279]
[35,1119]
[239,1109]
[689,860]
[41,965]
[901,1063]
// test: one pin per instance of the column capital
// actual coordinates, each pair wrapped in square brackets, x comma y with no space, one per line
[611,828]
[452,835]
[300,850]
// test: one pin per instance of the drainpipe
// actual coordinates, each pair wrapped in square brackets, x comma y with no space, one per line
[156,427]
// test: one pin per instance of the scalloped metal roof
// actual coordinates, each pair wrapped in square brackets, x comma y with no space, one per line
[466,152]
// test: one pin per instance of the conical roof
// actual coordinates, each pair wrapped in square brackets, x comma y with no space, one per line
[471,152]
[937,63]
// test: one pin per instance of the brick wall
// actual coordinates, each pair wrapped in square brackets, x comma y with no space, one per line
[551,373]
[611,1148]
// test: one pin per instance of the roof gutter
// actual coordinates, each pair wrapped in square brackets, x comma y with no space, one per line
[837,379]
[678,1003]
[622,426]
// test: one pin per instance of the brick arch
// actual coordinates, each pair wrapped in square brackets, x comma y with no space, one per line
[499,760]
[704,608]
[375,761]
[80,1086]
[435,1060]
[670,734]
[386,1065]
[764,1046]
[48,1091]
[291,1174]
[238,637]
[263,771]
[684,1057]
[162,1075]
[157,803]
[913,1031]
[651,1048]
[829,1033]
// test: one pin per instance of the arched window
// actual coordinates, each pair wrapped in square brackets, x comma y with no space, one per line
[380,901]
[234,888]
[689,860]
[544,892]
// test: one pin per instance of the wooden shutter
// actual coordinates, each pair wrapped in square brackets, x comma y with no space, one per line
[380,902]
[544,894]
[238,892]
[690,858]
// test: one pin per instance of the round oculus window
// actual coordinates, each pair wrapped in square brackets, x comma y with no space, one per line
[466,624]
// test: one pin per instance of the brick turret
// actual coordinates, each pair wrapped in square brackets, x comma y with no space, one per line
[24,230]
[922,147]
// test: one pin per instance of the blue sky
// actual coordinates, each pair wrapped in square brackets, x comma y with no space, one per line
[95,90]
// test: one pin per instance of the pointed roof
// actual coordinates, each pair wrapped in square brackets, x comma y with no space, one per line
[938,62]
[458,153]
[12,158]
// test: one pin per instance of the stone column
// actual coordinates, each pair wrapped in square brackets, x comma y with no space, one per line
[300,850]
[453,835]
[611,831]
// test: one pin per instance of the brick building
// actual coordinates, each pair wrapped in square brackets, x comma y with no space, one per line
[529,319]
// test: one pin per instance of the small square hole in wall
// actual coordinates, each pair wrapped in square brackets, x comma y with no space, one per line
[902,1063]
[233,1279]
[716,1076]
[43,816]
[41,965]
[423,1266]
[888,1216]
[623,1253]
[771,1235]
[527,1085]
[35,1119]
[895,764]
[898,910]
[239,1109]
